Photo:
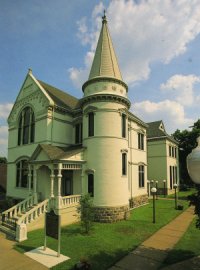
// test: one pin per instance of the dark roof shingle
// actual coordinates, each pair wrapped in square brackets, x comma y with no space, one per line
[60,98]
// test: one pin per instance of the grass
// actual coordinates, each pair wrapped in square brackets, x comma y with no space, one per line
[183,195]
[187,247]
[107,243]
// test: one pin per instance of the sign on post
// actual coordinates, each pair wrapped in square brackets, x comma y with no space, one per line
[52,228]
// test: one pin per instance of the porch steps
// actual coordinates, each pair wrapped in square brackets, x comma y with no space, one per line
[8,231]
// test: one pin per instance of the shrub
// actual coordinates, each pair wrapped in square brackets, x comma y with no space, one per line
[86,212]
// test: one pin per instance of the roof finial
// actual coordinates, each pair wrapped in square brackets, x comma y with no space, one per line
[104,19]
[29,71]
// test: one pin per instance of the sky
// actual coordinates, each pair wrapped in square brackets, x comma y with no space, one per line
[157,43]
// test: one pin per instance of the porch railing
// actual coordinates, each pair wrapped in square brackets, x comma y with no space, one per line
[19,208]
[70,200]
[34,213]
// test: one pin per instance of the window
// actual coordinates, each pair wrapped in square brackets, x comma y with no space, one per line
[140,141]
[171,176]
[123,125]
[141,175]
[91,124]
[91,184]
[170,150]
[124,164]
[22,174]
[78,133]
[26,127]
[175,152]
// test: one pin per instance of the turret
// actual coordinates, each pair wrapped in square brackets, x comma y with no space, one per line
[105,130]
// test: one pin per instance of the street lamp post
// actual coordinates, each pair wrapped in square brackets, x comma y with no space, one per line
[153,191]
[148,187]
[164,182]
[151,184]
[156,190]
[175,195]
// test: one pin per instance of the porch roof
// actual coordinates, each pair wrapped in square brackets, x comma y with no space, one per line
[56,153]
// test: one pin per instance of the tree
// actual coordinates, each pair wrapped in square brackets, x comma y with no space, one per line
[195,200]
[187,140]
[3,160]
[86,212]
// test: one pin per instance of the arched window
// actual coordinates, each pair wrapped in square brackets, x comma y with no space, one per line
[22,174]
[26,127]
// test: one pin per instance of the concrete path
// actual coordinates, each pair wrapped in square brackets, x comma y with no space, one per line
[11,259]
[152,252]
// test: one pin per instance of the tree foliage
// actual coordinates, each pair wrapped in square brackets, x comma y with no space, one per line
[195,200]
[3,160]
[86,212]
[187,141]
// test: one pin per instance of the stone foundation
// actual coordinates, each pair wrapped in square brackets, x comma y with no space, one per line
[138,201]
[111,214]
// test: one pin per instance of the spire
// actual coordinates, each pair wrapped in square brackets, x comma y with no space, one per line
[105,61]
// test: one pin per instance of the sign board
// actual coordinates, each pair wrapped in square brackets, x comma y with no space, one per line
[52,224]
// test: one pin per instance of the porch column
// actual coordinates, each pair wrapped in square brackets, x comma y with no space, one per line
[52,177]
[35,185]
[29,180]
[82,180]
[59,177]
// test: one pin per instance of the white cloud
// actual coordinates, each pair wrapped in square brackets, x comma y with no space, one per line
[171,112]
[181,88]
[143,33]
[3,140]
[5,110]
[79,75]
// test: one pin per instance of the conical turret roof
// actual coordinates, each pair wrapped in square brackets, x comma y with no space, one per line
[105,61]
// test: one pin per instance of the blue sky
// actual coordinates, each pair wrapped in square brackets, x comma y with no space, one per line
[157,43]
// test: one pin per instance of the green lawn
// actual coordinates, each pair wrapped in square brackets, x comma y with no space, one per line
[183,195]
[187,247]
[107,243]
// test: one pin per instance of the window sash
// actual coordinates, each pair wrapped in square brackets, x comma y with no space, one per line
[124,164]
[91,124]
[91,184]
[141,175]
[123,125]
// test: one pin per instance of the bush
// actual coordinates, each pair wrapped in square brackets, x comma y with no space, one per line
[86,212]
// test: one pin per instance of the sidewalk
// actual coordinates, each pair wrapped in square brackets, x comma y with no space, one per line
[12,259]
[152,252]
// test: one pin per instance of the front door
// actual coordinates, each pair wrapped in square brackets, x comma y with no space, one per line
[67,183]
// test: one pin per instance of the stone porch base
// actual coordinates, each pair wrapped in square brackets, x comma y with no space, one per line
[111,214]
[138,201]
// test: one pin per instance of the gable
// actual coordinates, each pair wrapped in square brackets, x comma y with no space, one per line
[31,94]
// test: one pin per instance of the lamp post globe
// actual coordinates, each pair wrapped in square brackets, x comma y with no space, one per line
[193,163]
[153,190]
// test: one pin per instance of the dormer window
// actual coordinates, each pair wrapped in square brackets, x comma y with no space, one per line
[26,127]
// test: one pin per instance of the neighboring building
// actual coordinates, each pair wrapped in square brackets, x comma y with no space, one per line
[61,147]
[162,156]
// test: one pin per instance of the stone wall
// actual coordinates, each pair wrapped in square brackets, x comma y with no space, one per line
[111,214]
[138,201]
